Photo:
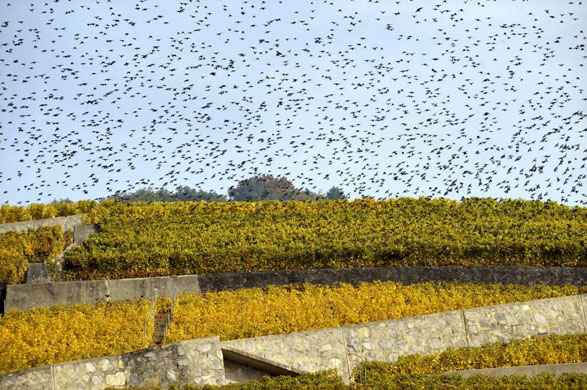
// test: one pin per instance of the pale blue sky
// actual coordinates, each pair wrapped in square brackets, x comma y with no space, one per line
[418,98]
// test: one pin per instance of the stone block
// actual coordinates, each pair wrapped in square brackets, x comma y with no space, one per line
[151,288]
[37,273]
[81,232]
[38,378]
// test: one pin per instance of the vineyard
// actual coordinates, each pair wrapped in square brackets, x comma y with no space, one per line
[154,239]
[255,312]
[61,333]
[174,238]
[17,250]
[36,211]
[524,352]
[139,239]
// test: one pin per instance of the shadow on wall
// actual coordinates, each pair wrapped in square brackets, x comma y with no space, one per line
[3,286]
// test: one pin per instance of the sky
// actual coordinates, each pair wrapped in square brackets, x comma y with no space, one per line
[385,99]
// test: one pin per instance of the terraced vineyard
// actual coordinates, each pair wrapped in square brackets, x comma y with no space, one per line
[139,239]
[152,239]
[43,336]
[524,352]
[50,335]
[255,312]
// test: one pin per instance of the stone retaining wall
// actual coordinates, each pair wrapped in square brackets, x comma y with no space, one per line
[345,348]
[196,361]
[492,324]
[386,340]
[308,351]
[200,361]
[528,276]
[67,223]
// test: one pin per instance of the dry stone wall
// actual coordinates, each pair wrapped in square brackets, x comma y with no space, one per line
[502,323]
[387,340]
[196,361]
[308,351]
[200,361]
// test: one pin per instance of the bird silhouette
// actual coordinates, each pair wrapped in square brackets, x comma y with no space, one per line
[457,99]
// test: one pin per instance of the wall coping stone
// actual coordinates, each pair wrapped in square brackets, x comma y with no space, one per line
[27,296]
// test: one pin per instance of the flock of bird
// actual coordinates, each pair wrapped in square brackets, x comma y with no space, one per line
[384,98]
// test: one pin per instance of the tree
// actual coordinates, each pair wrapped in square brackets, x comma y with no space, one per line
[182,193]
[267,187]
[335,193]
[185,193]
[64,200]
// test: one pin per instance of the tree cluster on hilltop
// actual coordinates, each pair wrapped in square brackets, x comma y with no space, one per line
[182,193]
[255,188]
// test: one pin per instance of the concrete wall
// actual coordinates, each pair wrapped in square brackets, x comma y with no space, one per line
[414,274]
[67,223]
[82,232]
[346,347]
[194,361]
[236,373]
[60,293]
[26,296]
[554,369]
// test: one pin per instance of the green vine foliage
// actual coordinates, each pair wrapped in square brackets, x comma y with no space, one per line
[140,239]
